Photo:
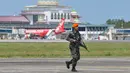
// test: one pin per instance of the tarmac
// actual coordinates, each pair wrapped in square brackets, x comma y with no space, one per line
[57,65]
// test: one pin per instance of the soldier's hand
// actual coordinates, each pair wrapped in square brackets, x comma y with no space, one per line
[73,41]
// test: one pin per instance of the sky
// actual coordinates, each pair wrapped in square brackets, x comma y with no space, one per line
[91,11]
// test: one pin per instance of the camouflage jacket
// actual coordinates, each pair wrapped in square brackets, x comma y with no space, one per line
[74,37]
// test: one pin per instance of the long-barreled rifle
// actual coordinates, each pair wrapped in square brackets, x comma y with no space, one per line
[82,44]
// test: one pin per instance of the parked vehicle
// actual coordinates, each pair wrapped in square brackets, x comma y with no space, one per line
[102,37]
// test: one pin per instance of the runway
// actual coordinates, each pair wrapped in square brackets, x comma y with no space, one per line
[57,65]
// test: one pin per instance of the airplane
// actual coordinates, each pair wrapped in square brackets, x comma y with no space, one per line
[44,33]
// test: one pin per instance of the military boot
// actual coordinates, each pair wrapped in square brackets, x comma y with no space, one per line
[68,64]
[73,68]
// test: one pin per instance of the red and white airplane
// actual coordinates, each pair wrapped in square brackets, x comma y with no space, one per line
[44,33]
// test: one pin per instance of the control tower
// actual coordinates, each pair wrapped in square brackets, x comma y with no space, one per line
[47,11]
[75,17]
[47,2]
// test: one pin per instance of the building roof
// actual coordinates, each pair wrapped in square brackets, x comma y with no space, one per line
[13,19]
[48,6]
[31,12]
[33,26]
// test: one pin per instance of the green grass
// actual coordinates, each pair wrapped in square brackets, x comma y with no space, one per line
[60,50]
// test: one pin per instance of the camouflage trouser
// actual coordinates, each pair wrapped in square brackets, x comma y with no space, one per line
[75,55]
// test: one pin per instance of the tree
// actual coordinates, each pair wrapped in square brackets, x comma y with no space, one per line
[119,23]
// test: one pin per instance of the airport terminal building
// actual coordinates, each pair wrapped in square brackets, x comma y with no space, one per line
[46,14]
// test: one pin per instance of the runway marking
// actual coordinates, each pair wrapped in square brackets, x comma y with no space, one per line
[100,70]
[106,67]
[30,70]
[64,69]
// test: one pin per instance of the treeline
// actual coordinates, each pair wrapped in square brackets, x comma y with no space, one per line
[119,23]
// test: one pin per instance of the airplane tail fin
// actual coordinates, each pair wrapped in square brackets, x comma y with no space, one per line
[60,28]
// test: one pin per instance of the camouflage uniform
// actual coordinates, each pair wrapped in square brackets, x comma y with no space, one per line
[74,37]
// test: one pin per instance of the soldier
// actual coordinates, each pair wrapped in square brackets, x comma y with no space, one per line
[74,37]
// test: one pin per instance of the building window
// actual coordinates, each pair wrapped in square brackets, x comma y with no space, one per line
[88,29]
[65,15]
[97,29]
[101,28]
[35,18]
[91,29]
[58,15]
[55,16]
[52,16]
[67,28]
[68,16]
[62,15]
[81,28]
[94,29]
[104,28]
